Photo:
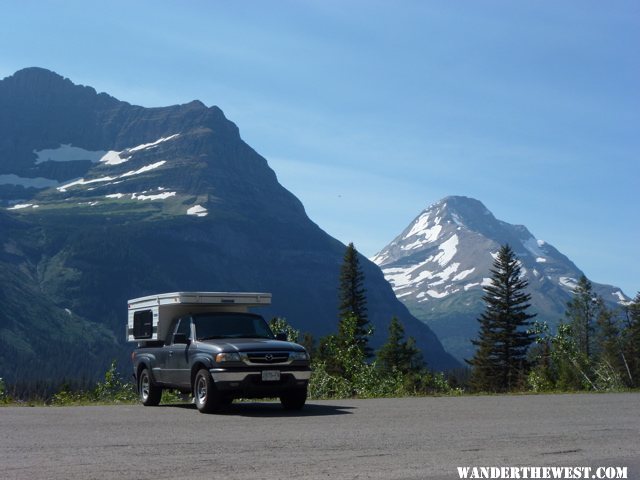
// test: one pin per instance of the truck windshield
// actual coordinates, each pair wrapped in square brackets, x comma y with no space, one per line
[230,325]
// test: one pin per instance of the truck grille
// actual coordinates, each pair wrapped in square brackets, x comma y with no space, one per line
[267,358]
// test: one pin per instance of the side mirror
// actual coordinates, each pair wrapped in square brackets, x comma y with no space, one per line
[281,336]
[181,338]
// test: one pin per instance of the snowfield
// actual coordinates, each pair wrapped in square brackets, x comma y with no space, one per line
[198,211]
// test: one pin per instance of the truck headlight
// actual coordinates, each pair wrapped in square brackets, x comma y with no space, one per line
[228,357]
[299,356]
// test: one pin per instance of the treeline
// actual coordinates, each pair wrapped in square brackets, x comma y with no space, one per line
[594,347]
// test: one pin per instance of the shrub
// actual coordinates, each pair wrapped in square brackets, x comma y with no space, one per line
[113,388]
[4,396]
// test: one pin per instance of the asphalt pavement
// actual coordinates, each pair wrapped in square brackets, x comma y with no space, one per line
[408,438]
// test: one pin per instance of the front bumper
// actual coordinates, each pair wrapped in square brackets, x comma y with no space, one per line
[249,383]
[220,375]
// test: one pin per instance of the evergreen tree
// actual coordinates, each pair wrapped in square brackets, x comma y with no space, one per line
[582,311]
[631,338]
[500,360]
[397,353]
[353,300]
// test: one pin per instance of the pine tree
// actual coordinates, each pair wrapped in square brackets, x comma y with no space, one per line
[502,344]
[631,336]
[582,311]
[397,353]
[612,365]
[353,300]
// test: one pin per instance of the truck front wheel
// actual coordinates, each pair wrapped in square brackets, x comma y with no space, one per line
[149,393]
[294,399]
[204,392]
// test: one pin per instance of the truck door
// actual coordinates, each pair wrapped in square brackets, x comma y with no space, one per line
[177,371]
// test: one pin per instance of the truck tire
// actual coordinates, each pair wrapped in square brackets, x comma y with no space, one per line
[294,399]
[149,393]
[204,392]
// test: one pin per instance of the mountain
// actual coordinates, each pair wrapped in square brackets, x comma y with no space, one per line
[102,201]
[438,265]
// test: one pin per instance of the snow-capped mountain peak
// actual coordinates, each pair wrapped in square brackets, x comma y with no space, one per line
[439,263]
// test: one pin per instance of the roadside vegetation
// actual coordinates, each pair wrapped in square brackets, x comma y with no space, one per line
[345,366]
[595,348]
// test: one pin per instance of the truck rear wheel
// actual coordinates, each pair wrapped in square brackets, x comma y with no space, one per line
[204,392]
[294,399]
[149,393]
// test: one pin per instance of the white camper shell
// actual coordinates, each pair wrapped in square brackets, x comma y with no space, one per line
[150,317]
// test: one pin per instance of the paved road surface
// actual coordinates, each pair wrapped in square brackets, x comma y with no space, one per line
[412,438]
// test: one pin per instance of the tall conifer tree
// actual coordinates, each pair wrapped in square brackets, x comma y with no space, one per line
[352,297]
[631,337]
[582,311]
[503,340]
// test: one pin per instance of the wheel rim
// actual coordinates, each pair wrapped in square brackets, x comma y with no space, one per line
[201,390]
[144,386]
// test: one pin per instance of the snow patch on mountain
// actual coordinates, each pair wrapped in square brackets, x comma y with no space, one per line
[68,153]
[448,250]
[20,206]
[82,181]
[464,274]
[156,196]
[146,146]
[115,158]
[435,294]
[470,285]
[144,169]
[621,299]
[37,182]
[198,211]
[422,229]
[399,277]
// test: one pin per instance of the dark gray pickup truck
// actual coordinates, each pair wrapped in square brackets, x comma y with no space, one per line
[220,356]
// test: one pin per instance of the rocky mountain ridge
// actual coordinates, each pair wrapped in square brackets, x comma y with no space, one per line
[102,201]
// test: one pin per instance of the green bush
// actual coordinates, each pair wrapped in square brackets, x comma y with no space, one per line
[113,389]
[4,396]
[280,325]
[343,372]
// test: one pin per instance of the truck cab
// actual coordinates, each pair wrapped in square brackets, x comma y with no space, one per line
[210,345]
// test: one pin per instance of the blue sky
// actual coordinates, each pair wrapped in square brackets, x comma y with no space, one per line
[369,111]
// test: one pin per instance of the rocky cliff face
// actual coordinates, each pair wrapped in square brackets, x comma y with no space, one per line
[102,201]
[440,262]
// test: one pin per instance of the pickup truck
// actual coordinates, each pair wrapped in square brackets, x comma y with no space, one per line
[216,353]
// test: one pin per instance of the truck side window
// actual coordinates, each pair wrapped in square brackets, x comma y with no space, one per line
[143,324]
[184,326]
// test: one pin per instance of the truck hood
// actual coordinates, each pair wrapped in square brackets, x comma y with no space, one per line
[251,344]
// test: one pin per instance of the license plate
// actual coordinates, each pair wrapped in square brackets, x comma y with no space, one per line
[270,375]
